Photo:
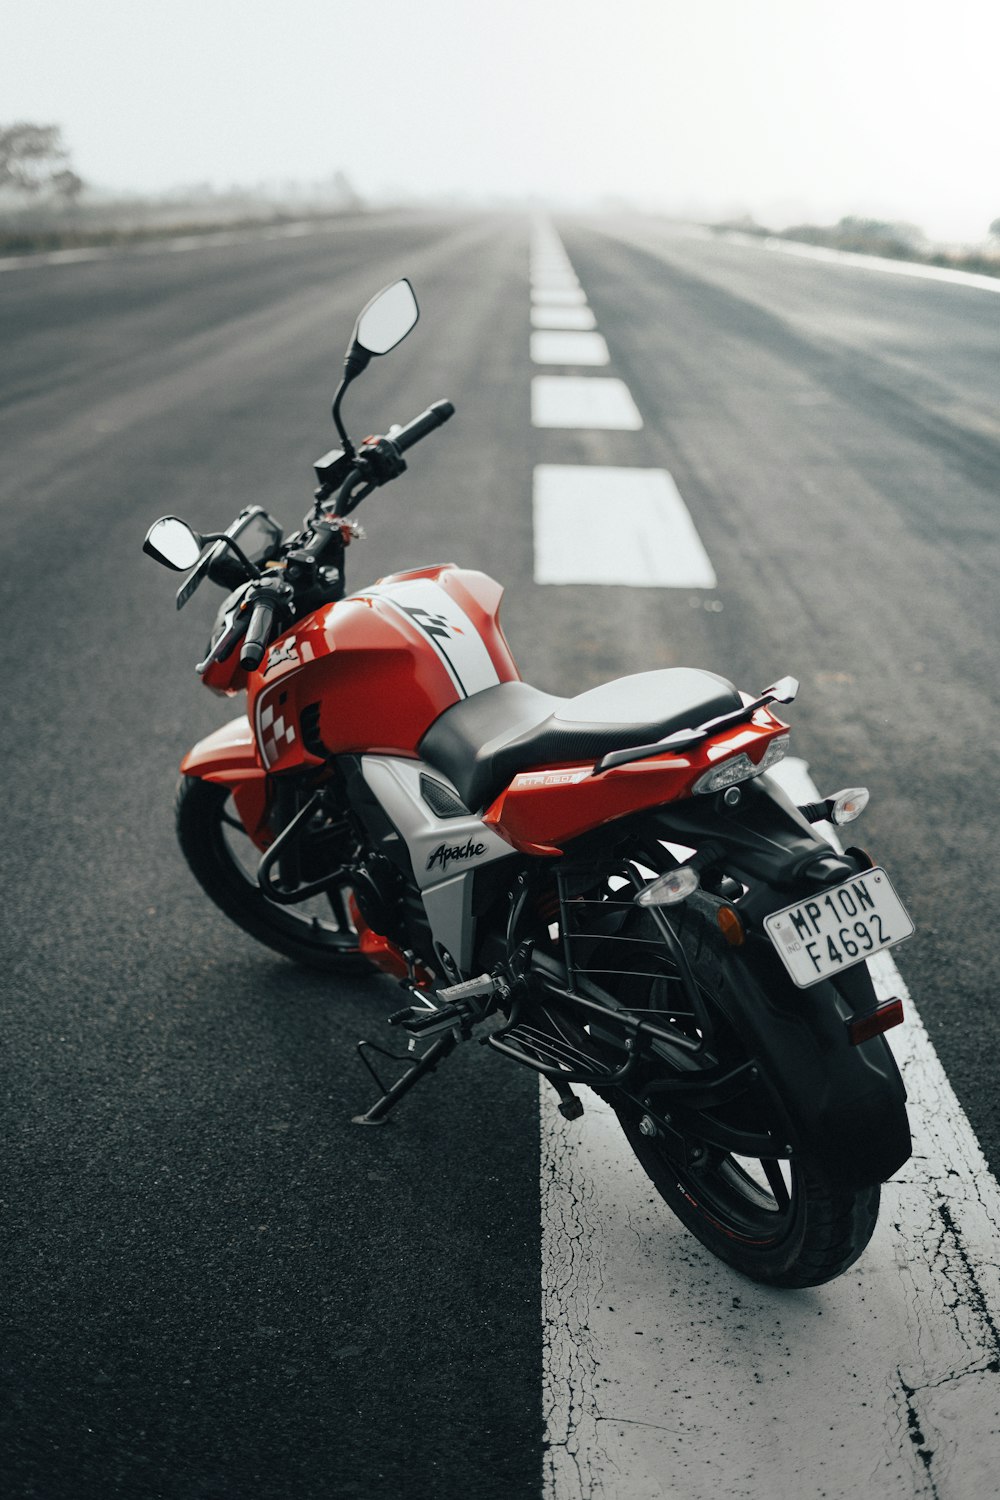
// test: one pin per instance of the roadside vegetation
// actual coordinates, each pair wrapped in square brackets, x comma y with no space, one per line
[895,241]
[45,205]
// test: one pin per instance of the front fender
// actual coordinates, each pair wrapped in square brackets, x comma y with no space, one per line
[229,757]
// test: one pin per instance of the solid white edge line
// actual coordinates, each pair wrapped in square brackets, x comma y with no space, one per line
[670,1377]
[176,244]
[831,256]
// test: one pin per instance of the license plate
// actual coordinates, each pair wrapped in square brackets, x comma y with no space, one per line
[838,927]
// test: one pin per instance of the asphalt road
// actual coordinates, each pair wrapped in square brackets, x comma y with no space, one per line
[215,1285]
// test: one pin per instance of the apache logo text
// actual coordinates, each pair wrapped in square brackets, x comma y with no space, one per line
[445,853]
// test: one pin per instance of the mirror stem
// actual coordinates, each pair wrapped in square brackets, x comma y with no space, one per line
[355,360]
[348,445]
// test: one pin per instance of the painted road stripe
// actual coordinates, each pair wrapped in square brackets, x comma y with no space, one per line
[551,259]
[615,526]
[562,317]
[557,348]
[553,281]
[548,265]
[179,244]
[559,296]
[600,402]
[669,1377]
[865,262]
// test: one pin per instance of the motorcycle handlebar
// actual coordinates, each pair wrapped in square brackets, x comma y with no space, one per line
[258,632]
[397,444]
[434,416]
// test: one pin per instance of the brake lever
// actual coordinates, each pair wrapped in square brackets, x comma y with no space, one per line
[226,644]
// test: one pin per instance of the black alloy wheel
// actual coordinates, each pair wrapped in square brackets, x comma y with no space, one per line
[317,933]
[781,1221]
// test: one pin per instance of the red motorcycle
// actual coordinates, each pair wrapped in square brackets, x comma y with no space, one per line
[609,889]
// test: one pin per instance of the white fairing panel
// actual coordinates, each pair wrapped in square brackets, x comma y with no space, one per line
[444,852]
[448,629]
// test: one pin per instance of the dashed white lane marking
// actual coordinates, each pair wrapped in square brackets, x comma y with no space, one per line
[569,296]
[600,402]
[598,525]
[546,286]
[549,347]
[669,1377]
[562,317]
[615,526]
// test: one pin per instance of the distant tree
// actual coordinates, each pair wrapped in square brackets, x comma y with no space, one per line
[34,160]
[881,229]
[345,190]
[995,229]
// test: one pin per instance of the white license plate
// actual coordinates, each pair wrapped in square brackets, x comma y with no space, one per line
[838,927]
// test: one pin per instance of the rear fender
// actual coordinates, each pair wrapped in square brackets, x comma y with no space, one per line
[764,838]
[845,1104]
[228,756]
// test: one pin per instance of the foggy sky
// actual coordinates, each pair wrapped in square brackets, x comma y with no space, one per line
[785,108]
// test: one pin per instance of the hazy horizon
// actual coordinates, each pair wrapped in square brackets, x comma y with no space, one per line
[786,110]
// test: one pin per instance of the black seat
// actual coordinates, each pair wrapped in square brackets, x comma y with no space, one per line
[482,742]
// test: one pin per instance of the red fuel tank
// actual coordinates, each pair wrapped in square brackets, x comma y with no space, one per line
[372,672]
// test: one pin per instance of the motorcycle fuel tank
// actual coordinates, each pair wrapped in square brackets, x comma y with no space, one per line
[372,672]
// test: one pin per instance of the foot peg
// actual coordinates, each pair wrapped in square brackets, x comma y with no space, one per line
[454,1005]
[469,989]
[452,1011]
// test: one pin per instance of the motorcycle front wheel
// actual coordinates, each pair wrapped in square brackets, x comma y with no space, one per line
[317,933]
[782,1222]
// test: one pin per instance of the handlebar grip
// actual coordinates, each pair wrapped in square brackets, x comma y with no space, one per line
[258,631]
[434,416]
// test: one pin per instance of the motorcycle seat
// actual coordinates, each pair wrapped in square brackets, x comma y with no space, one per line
[482,742]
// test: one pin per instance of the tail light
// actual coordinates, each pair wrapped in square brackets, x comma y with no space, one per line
[883,1018]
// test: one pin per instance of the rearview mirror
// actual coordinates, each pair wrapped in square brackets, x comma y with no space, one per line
[173,543]
[382,324]
[387,318]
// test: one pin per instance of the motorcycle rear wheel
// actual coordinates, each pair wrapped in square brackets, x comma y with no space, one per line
[784,1223]
[317,934]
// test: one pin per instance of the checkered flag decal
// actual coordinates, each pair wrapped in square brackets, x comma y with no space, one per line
[275,734]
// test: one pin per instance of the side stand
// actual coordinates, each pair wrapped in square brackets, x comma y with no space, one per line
[425,1063]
